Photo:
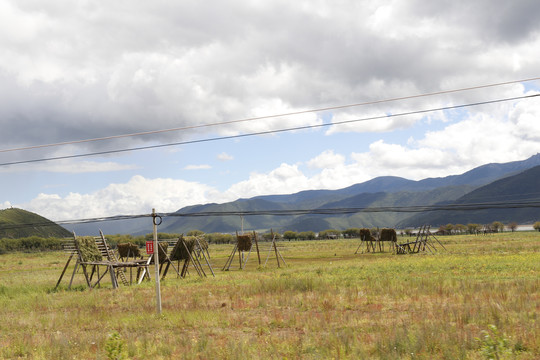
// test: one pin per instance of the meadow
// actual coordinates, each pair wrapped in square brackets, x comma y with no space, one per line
[478,299]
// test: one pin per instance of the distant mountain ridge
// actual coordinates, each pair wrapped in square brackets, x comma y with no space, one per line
[377,192]
[524,186]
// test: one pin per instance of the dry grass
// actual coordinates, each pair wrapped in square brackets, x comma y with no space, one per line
[327,303]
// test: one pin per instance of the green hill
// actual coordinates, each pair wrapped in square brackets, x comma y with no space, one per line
[523,187]
[18,223]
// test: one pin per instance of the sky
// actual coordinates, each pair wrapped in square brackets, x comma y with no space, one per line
[217,73]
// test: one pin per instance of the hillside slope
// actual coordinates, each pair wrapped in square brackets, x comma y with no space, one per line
[17,223]
[523,187]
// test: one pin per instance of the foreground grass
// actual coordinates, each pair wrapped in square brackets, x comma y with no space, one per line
[477,299]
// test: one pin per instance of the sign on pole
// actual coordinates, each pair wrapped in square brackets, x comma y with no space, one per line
[149,247]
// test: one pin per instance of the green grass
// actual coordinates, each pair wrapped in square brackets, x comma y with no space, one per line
[478,299]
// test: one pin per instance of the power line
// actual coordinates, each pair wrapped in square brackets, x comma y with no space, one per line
[107,152]
[151,132]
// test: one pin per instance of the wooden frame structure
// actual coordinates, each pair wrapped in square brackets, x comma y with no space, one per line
[163,246]
[376,244]
[188,252]
[242,250]
[421,243]
[273,246]
[93,253]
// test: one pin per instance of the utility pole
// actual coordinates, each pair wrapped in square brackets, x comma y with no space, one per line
[156,220]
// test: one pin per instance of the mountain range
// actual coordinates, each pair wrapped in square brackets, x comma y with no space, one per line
[518,180]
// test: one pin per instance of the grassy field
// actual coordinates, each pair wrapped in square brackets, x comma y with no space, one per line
[479,299]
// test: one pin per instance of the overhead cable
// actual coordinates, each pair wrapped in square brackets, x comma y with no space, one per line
[337,107]
[304,127]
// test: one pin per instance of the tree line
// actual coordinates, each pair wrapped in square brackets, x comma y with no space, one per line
[471,228]
[36,243]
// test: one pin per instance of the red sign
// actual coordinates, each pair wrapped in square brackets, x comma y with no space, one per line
[149,247]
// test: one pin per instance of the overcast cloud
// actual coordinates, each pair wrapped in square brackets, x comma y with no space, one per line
[79,70]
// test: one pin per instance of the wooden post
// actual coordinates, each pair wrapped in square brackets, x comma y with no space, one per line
[156,261]
[257,246]
[275,248]
[240,258]
[63,271]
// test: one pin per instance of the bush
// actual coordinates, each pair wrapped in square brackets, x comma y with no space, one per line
[351,233]
[162,236]
[474,228]
[219,238]
[290,235]
[30,244]
[329,234]
[307,235]
[269,235]
[114,240]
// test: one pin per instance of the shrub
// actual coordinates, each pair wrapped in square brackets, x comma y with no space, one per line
[29,244]
[351,233]
[290,235]
[329,234]
[474,228]
[219,238]
[497,226]
[306,235]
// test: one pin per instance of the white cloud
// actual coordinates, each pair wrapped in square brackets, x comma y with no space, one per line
[224,157]
[282,180]
[179,65]
[197,167]
[138,196]
[327,159]
[70,167]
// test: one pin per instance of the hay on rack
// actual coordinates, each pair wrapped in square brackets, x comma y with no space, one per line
[162,255]
[365,234]
[388,235]
[88,249]
[244,242]
[126,250]
[179,251]
[204,243]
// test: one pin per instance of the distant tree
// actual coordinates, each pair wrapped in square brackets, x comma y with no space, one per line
[474,228]
[268,236]
[219,238]
[449,228]
[290,235]
[195,233]
[408,232]
[113,240]
[351,233]
[306,235]
[460,228]
[512,226]
[497,226]
[329,234]
[163,236]
[536,226]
